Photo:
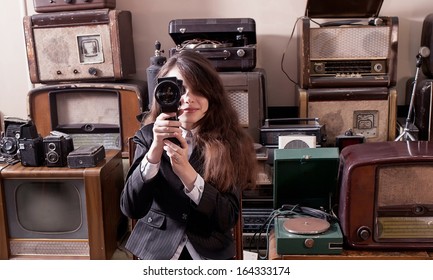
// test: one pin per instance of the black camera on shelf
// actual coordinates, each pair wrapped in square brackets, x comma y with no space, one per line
[57,146]
[168,91]
[9,139]
[31,150]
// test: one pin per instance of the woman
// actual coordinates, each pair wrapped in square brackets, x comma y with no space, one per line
[186,196]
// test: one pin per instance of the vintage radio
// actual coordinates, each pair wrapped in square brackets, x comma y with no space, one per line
[44,6]
[230,43]
[247,91]
[61,213]
[369,112]
[386,197]
[306,176]
[91,113]
[88,45]
[272,129]
[358,51]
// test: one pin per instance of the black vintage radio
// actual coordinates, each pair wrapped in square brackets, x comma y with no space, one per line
[44,6]
[88,45]
[272,129]
[360,49]
[386,197]
[230,43]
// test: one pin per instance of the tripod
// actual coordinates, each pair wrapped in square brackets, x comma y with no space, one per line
[405,135]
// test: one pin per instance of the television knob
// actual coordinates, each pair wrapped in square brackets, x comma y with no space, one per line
[364,233]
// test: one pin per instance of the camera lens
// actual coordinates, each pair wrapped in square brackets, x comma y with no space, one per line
[167,93]
[8,145]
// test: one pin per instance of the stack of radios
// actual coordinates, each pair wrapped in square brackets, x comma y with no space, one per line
[347,69]
[83,54]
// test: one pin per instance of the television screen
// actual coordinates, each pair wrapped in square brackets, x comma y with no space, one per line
[46,208]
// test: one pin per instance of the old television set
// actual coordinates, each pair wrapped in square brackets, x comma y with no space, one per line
[91,113]
[386,195]
[61,213]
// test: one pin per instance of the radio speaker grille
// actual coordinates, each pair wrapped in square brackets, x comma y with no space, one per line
[349,43]
[238,100]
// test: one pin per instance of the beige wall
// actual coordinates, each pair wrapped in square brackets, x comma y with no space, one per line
[274,22]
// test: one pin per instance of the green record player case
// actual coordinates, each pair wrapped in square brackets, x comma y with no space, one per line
[307,177]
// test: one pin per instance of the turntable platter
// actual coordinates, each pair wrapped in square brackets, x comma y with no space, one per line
[306,225]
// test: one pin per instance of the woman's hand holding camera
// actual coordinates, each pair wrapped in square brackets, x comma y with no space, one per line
[162,129]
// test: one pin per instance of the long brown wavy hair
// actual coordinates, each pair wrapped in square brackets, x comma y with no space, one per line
[228,150]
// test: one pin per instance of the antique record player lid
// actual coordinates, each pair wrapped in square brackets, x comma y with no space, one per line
[343,8]
[228,31]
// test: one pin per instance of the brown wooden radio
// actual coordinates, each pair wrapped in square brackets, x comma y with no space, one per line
[91,113]
[87,45]
[386,197]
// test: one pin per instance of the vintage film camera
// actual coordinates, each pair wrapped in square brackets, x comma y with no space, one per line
[31,150]
[9,138]
[168,92]
[57,146]
[21,141]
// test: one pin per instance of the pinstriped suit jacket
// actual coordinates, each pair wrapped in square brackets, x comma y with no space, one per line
[165,212]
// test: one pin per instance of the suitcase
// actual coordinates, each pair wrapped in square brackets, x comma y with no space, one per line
[230,43]
[90,45]
[44,6]
[370,112]
[91,113]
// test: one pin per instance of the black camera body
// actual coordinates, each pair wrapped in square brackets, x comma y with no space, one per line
[31,150]
[57,146]
[168,91]
[9,139]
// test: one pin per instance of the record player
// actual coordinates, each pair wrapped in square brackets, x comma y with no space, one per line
[307,235]
[230,43]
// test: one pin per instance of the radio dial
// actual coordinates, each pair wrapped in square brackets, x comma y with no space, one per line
[93,71]
[378,67]
[240,52]
[364,233]
[319,68]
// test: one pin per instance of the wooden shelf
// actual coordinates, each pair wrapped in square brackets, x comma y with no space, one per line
[352,254]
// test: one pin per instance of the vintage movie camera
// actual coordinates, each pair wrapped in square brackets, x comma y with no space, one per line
[57,146]
[168,92]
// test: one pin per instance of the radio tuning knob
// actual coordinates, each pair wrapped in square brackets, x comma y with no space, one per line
[240,52]
[93,71]
[364,233]
[68,1]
